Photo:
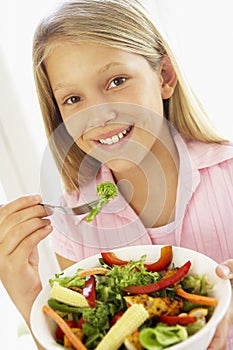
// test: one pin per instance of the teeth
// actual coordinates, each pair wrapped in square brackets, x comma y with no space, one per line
[115,138]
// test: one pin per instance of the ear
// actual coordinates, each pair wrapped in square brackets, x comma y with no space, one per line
[168,78]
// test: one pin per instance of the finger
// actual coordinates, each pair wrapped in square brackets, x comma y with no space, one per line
[19,204]
[220,337]
[18,217]
[26,247]
[22,202]
[19,232]
[225,269]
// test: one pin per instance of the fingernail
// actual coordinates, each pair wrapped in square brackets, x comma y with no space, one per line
[49,211]
[35,197]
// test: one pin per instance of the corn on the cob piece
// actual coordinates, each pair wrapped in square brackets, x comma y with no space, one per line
[68,296]
[133,317]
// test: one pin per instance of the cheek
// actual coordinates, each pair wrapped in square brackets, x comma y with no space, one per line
[80,142]
[149,96]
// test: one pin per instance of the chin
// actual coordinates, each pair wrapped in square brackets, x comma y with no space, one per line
[120,165]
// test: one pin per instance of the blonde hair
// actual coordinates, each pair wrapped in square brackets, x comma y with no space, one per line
[122,24]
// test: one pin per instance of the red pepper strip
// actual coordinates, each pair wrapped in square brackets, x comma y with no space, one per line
[89,290]
[163,262]
[159,265]
[111,259]
[161,284]
[173,320]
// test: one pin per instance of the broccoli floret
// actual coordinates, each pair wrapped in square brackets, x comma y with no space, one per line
[97,317]
[105,191]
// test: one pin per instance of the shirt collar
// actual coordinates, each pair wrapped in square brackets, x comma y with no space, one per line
[208,154]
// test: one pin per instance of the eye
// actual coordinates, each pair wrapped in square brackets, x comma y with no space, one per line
[72,100]
[116,82]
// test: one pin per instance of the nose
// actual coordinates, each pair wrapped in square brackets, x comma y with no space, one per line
[91,117]
[101,114]
[100,108]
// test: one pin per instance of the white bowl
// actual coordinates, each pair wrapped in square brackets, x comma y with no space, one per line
[44,329]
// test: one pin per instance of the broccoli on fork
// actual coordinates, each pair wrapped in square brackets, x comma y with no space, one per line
[105,191]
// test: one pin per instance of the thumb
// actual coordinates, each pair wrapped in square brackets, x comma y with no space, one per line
[225,269]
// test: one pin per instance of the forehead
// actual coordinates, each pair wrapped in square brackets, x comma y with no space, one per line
[85,48]
[87,58]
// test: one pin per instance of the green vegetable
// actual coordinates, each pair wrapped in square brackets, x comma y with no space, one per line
[193,328]
[96,324]
[148,339]
[196,284]
[162,336]
[105,191]
[66,281]
[58,306]
[169,335]
[98,316]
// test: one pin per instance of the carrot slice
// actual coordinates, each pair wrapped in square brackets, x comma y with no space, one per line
[195,298]
[76,342]
[93,271]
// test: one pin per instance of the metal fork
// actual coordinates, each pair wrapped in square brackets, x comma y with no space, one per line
[81,209]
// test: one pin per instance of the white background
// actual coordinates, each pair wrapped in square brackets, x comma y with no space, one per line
[201,34]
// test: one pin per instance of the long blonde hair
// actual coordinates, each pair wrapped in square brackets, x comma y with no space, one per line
[122,24]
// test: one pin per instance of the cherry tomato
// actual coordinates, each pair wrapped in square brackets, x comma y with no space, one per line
[60,334]
[116,317]
[80,322]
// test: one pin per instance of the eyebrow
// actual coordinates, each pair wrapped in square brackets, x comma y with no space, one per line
[101,70]
[109,65]
[60,86]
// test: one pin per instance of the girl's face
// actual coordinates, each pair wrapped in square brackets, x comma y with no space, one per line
[114,98]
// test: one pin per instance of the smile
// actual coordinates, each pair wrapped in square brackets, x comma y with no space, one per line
[116,138]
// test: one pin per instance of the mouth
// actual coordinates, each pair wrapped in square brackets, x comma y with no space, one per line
[116,138]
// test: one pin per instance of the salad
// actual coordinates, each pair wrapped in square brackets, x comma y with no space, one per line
[129,304]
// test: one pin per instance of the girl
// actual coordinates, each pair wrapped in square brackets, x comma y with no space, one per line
[116,107]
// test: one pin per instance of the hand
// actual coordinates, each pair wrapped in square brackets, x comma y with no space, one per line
[23,224]
[219,341]
[225,269]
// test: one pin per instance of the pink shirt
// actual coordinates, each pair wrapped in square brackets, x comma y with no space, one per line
[204,210]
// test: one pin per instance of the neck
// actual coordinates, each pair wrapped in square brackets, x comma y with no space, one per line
[153,184]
